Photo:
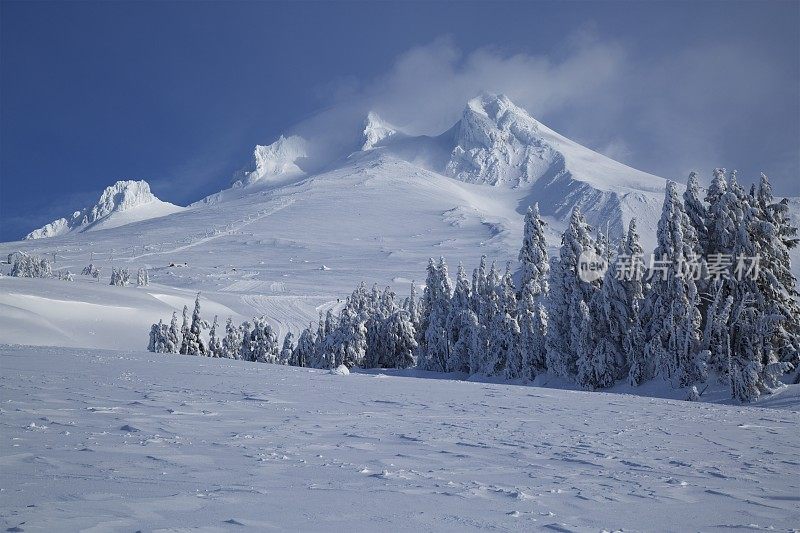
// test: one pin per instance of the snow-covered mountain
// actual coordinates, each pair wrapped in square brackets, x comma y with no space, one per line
[302,225]
[276,161]
[498,143]
[376,131]
[120,204]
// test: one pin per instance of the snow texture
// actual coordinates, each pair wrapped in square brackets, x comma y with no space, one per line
[135,441]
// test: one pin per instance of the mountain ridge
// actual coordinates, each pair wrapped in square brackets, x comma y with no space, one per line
[123,202]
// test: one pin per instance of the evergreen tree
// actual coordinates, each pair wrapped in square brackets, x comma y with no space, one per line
[716,333]
[724,216]
[670,311]
[184,330]
[696,211]
[478,289]
[246,346]
[174,335]
[435,350]
[413,306]
[566,294]
[304,351]
[611,322]
[459,305]
[263,342]
[158,338]
[630,267]
[192,343]
[214,342]
[350,340]
[511,357]
[595,363]
[752,370]
[774,236]
[232,343]
[287,351]
[401,341]
[534,288]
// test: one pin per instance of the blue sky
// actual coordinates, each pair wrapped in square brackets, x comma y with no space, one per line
[178,93]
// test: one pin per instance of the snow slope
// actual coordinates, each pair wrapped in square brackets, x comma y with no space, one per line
[136,441]
[262,252]
[120,204]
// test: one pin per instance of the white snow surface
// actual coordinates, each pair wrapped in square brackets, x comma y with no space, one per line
[124,441]
[120,204]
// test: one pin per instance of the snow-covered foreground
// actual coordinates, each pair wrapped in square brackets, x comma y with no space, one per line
[106,440]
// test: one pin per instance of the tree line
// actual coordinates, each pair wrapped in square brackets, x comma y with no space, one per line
[717,300]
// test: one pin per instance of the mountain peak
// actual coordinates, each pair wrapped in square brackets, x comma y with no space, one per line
[376,130]
[124,202]
[493,106]
[497,142]
[276,160]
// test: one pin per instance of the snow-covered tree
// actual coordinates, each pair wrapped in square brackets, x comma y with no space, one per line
[174,335]
[696,211]
[287,351]
[630,268]
[350,339]
[752,370]
[413,307]
[458,360]
[263,342]
[595,358]
[509,357]
[142,278]
[232,343]
[120,277]
[670,312]
[435,350]
[716,332]
[246,346]
[534,289]
[91,270]
[192,343]
[401,344]
[611,320]
[774,235]
[31,266]
[214,342]
[567,291]
[723,217]
[304,351]
[159,338]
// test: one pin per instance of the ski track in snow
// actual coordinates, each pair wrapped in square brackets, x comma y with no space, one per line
[108,441]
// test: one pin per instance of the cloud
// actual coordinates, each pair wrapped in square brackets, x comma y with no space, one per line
[427,87]
[699,106]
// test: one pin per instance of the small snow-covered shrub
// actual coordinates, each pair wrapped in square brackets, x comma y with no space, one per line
[31,266]
[120,277]
[340,370]
[91,270]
